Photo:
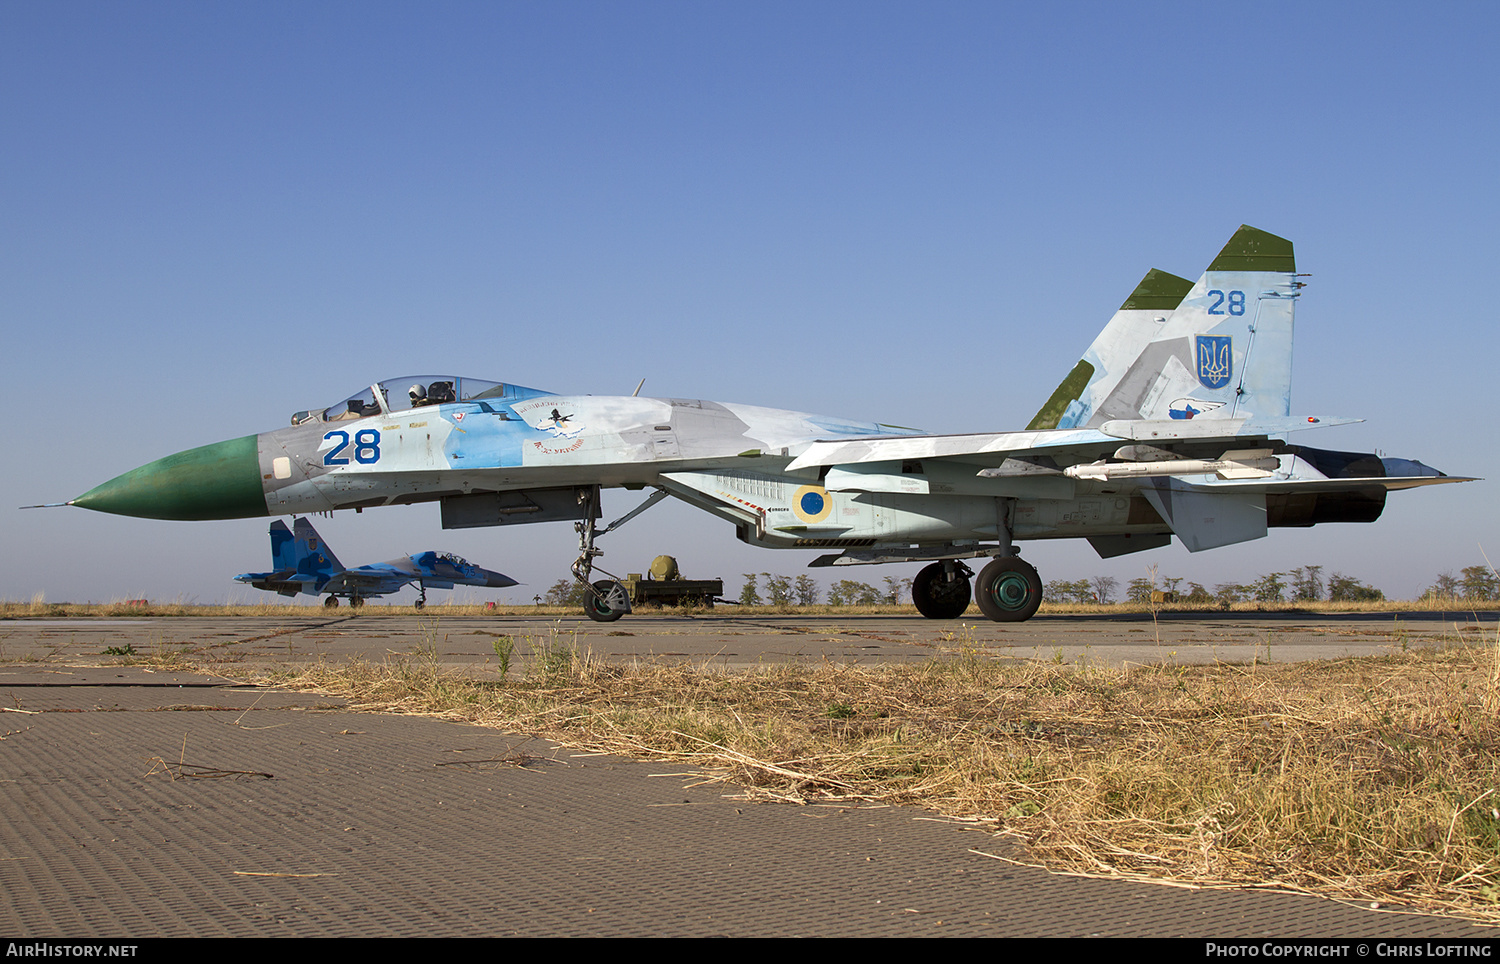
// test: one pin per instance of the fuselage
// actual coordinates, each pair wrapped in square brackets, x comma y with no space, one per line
[361,454]
[494,453]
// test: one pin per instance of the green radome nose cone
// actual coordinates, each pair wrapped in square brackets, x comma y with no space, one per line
[219,481]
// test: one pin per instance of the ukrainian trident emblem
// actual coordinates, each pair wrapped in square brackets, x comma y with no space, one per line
[1215,360]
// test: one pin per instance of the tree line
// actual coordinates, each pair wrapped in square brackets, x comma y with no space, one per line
[1303,584]
[805,591]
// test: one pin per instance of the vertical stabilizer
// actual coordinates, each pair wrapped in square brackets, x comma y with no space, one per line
[283,554]
[1109,358]
[311,556]
[1226,351]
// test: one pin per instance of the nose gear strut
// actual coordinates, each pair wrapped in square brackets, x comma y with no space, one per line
[607,599]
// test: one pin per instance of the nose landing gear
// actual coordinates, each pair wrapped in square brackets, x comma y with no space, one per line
[607,599]
[607,602]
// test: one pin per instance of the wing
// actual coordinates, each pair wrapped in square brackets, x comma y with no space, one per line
[287,582]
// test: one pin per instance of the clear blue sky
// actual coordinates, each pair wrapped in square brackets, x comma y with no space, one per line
[217,214]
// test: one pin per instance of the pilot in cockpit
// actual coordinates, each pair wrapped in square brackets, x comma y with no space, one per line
[418,395]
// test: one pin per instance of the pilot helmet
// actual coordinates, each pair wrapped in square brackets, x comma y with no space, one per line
[417,391]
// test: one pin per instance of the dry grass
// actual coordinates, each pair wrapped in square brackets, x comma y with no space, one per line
[1371,779]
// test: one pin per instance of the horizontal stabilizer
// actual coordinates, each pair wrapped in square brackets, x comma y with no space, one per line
[1389,483]
[280,576]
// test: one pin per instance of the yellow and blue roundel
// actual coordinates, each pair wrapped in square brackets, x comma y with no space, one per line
[811,503]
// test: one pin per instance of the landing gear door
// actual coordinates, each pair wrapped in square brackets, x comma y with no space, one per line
[565,504]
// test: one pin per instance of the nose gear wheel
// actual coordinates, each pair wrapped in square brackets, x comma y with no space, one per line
[607,602]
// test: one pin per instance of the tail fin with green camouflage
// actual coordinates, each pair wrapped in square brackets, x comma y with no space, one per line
[1221,348]
[1096,376]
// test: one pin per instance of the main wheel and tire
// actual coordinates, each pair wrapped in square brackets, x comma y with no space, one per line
[332,602]
[938,597]
[1008,590]
[608,602]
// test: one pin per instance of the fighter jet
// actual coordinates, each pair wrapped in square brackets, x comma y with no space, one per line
[305,564]
[1173,423]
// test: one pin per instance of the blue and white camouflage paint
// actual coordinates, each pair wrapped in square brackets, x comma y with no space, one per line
[304,564]
[1173,424]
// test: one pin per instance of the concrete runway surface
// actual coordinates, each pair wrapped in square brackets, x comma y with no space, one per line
[724,638]
[143,803]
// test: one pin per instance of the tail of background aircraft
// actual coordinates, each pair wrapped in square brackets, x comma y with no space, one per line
[283,551]
[310,554]
[302,563]
[1221,348]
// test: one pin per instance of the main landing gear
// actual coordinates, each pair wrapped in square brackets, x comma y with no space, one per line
[941,590]
[1008,590]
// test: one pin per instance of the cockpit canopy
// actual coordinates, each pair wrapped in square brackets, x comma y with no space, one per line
[413,391]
